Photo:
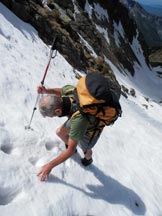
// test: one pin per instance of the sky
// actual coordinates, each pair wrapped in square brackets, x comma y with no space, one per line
[159,2]
[125,177]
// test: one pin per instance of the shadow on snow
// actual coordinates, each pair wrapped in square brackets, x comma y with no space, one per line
[110,191]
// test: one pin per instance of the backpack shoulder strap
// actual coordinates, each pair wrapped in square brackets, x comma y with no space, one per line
[67,90]
[74,114]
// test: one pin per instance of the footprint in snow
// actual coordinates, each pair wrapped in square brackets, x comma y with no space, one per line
[33,160]
[9,194]
[51,144]
[5,142]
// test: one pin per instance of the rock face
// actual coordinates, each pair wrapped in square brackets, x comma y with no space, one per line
[150,25]
[155,57]
[81,27]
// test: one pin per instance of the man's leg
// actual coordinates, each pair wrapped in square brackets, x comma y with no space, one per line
[87,145]
[63,133]
[87,160]
[88,154]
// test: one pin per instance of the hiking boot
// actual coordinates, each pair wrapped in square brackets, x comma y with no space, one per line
[86,162]
[66,146]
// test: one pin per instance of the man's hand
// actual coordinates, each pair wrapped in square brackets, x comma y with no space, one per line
[41,89]
[45,171]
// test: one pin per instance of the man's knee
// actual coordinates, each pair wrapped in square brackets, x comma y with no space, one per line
[62,131]
[58,132]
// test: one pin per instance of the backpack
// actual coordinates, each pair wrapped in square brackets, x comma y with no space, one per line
[95,95]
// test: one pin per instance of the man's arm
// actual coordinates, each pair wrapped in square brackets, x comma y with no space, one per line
[43,90]
[46,169]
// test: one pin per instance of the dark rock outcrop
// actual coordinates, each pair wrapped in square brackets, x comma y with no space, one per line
[149,25]
[81,31]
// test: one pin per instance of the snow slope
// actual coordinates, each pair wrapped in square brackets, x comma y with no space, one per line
[125,178]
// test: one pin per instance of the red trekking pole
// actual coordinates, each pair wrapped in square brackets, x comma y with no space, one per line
[52,56]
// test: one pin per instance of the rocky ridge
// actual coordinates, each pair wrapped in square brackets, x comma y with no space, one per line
[81,28]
